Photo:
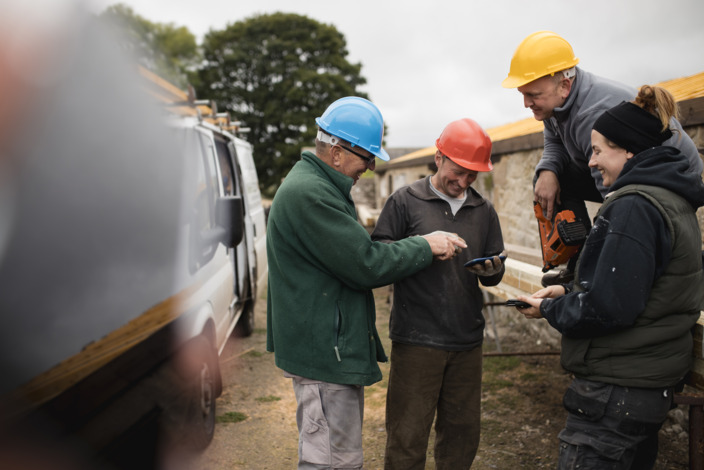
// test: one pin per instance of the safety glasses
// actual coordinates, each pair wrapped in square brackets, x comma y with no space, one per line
[368,160]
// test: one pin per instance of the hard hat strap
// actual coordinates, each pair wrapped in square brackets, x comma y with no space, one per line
[327,138]
[570,73]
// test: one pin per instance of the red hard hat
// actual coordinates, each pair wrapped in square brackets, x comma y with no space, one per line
[467,144]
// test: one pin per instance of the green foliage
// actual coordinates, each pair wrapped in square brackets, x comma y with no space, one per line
[231,417]
[496,365]
[168,50]
[493,384]
[276,73]
[268,399]
[488,181]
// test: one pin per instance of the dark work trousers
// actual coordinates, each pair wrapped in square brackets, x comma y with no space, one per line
[421,382]
[576,186]
[610,427]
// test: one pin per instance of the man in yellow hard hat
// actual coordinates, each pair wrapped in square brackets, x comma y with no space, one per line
[437,324]
[568,100]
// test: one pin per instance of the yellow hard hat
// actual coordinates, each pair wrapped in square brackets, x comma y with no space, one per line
[540,54]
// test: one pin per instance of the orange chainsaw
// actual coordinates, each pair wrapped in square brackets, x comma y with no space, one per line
[561,238]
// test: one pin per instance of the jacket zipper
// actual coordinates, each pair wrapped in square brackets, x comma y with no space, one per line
[337,322]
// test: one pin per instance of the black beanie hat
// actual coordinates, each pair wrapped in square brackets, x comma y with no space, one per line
[631,127]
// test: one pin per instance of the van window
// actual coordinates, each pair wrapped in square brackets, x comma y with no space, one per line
[207,193]
[207,185]
[230,182]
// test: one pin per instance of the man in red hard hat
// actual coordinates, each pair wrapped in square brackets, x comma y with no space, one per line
[437,324]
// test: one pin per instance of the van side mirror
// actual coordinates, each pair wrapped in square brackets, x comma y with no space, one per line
[229,216]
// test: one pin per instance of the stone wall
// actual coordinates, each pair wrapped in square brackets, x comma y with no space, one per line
[697,135]
[509,188]
[390,181]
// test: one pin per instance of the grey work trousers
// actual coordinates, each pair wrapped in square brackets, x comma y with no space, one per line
[423,381]
[329,418]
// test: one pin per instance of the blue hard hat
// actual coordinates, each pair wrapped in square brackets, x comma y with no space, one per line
[357,121]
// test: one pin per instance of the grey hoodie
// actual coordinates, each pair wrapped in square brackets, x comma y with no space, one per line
[567,135]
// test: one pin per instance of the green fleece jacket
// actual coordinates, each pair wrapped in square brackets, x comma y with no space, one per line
[322,267]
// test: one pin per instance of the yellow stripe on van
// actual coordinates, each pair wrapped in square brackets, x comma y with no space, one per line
[95,355]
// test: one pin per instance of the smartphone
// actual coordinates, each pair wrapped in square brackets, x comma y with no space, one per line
[517,303]
[481,260]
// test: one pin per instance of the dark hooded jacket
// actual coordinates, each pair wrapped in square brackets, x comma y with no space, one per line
[639,286]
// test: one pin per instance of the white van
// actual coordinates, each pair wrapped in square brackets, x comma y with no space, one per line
[239,177]
[130,251]
[225,169]
[225,271]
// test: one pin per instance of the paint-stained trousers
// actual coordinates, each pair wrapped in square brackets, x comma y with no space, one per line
[421,382]
[610,427]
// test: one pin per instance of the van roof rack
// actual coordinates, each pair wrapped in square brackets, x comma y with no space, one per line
[184,103]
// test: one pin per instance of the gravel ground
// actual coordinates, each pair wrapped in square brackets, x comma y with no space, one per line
[521,407]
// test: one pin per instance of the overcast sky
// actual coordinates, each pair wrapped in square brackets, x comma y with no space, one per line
[430,62]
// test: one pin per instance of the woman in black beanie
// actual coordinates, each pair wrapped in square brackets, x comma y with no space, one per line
[631,128]
[638,291]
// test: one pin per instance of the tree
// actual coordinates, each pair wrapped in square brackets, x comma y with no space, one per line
[168,50]
[276,73]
